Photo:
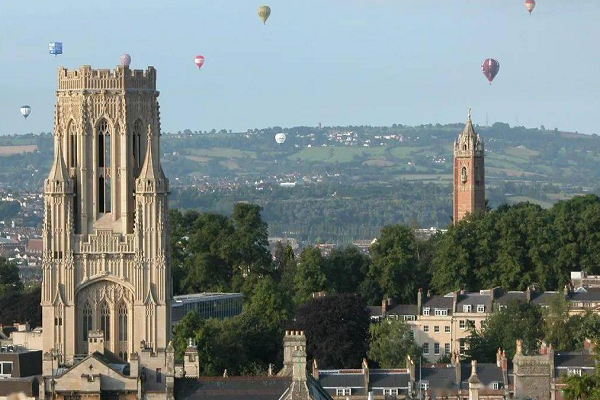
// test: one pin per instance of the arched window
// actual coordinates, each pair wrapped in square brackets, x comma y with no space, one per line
[137,144]
[104,184]
[123,316]
[463,175]
[87,321]
[72,145]
[105,321]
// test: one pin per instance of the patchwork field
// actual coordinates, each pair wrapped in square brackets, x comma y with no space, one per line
[20,149]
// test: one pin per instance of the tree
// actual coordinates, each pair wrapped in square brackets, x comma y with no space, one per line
[391,342]
[21,307]
[556,324]
[346,268]
[502,329]
[9,278]
[336,329]
[394,265]
[310,274]
[582,387]
[251,240]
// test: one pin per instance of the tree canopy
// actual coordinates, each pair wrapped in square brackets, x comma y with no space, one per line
[391,342]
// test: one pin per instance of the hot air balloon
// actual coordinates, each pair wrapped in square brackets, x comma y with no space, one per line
[490,68]
[25,111]
[126,60]
[263,13]
[199,60]
[280,138]
[55,48]
[529,5]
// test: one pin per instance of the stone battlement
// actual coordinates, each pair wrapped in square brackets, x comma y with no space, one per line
[121,78]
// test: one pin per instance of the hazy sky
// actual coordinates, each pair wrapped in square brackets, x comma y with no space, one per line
[339,62]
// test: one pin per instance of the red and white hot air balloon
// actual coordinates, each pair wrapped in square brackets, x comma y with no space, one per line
[529,5]
[490,68]
[199,60]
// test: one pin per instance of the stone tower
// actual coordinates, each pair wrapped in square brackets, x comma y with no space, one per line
[106,258]
[468,173]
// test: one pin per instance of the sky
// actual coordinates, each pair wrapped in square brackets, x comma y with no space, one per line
[338,62]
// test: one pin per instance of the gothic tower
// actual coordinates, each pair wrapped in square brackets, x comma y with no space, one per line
[469,173]
[106,258]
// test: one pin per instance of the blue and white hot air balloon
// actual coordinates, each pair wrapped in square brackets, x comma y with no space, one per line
[55,48]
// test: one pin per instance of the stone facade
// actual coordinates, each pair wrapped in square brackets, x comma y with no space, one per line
[468,173]
[105,237]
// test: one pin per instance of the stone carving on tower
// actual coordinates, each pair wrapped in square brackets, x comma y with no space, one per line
[106,258]
[468,173]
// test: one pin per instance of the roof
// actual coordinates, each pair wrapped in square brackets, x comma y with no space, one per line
[35,245]
[542,298]
[201,297]
[487,373]
[375,311]
[389,379]
[507,297]
[590,294]
[442,302]
[574,359]
[58,172]
[473,299]
[404,309]
[439,378]
[233,388]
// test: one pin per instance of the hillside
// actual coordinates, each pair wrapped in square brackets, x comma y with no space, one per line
[350,181]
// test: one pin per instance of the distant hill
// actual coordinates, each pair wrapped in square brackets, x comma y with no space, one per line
[349,181]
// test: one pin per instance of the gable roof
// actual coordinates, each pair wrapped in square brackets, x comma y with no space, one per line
[232,388]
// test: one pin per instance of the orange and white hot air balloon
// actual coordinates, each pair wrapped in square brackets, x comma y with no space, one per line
[199,60]
[529,5]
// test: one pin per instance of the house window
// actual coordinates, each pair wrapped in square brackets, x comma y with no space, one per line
[105,321]
[412,334]
[424,385]
[6,369]
[461,324]
[501,307]
[436,329]
[409,318]
[574,371]
[343,392]
[426,348]
[391,392]
[87,321]
[462,346]
[480,308]
[496,385]
[440,312]
[446,348]
[158,375]
[467,308]
[436,349]
[426,328]
[447,329]
[426,311]
[470,324]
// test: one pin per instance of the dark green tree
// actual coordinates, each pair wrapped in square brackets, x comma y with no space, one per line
[310,274]
[10,283]
[336,329]
[391,342]
[346,269]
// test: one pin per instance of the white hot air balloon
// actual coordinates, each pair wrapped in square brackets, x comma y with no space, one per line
[280,138]
[125,60]
[25,111]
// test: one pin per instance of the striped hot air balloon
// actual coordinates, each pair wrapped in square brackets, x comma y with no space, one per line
[529,5]
[490,68]
[25,111]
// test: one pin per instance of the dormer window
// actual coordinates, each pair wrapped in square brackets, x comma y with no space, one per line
[480,308]
[426,310]
[441,312]
[496,385]
[467,308]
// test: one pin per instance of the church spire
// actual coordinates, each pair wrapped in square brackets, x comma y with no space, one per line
[59,172]
[151,176]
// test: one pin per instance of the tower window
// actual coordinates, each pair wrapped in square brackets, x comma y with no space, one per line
[87,321]
[104,182]
[105,321]
[463,175]
[72,145]
[137,144]
[123,314]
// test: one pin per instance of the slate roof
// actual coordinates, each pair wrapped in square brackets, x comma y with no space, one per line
[387,379]
[439,378]
[486,372]
[332,379]
[507,297]
[474,299]
[588,295]
[404,309]
[341,379]
[574,359]
[441,302]
[233,388]
[375,311]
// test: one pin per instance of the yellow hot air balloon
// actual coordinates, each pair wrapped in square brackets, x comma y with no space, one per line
[263,13]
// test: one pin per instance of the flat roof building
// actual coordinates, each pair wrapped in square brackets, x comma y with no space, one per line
[207,305]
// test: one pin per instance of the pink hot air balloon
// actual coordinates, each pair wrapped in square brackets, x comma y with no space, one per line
[126,60]
[199,60]
[529,5]
[490,68]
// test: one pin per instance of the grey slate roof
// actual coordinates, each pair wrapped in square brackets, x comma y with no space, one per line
[486,372]
[375,311]
[441,302]
[439,378]
[233,388]
[404,309]
[474,299]
[542,299]
[389,379]
[590,295]
[507,297]
[341,380]
[574,359]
